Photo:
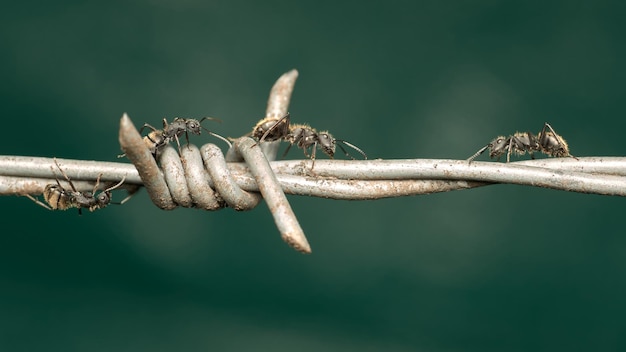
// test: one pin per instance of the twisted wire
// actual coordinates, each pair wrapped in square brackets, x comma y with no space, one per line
[202,178]
[335,179]
[206,178]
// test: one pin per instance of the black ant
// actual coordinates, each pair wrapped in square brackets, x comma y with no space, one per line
[303,136]
[60,198]
[156,140]
[547,141]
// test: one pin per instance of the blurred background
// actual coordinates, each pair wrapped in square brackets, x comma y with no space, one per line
[495,268]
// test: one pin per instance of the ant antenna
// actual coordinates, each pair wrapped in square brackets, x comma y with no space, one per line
[482,150]
[351,146]
[210,118]
[215,134]
[112,187]
[131,193]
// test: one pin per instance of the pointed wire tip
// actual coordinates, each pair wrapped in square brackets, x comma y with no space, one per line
[132,144]
[301,244]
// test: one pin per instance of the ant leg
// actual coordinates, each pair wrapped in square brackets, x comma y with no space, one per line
[187,139]
[37,201]
[345,152]
[147,125]
[556,136]
[66,177]
[178,144]
[510,150]
[95,188]
[313,155]
[287,150]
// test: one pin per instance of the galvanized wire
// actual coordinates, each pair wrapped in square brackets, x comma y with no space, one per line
[205,178]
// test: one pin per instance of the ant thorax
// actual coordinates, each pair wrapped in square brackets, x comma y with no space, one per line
[525,141]
[176,128]
[305,136]
[181,125]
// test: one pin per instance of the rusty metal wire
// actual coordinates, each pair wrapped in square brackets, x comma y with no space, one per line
[205,178]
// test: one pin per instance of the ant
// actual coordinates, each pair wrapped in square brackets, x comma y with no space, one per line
[156,140]
[60,198]
[303,136]
[547,141]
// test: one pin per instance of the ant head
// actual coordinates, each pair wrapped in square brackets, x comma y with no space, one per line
[327,143]
[498,146]
[193,126]
[104,198]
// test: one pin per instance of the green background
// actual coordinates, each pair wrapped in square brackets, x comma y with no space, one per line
[491,269]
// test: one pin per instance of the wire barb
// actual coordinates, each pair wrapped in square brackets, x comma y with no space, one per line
[273,194]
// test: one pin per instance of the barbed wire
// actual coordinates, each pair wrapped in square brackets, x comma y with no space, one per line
[205,178]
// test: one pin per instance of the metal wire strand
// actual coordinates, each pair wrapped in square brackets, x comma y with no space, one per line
[29,175]
[593,175]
